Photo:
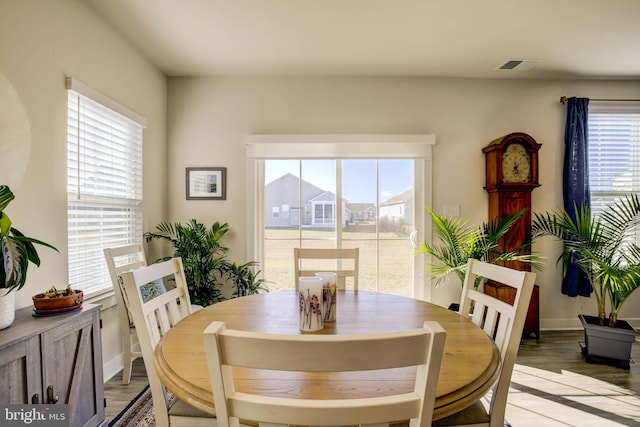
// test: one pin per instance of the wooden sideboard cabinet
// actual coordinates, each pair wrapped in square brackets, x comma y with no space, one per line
[55,359]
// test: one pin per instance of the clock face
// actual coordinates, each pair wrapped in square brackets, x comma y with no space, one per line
[516,164]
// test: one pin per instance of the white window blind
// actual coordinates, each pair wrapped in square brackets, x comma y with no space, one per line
[614,152]
[104,185]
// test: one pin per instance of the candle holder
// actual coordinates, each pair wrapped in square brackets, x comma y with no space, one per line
[310,303]
[329,300]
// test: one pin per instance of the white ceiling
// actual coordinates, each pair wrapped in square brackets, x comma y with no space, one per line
[456,38]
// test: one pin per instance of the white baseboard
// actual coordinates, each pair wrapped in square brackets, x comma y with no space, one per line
[115,365]
[112,367]
[574,324]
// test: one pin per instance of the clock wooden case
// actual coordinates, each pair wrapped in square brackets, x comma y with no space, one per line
[511,176]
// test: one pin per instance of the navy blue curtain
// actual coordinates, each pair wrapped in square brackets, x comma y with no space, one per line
[575,184]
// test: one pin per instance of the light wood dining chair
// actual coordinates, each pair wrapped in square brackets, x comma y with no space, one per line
[119,259]
[344,262]
[154,318]
[227,348]
[503,323]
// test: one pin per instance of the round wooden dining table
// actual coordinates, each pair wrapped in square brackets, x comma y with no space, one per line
[470,363]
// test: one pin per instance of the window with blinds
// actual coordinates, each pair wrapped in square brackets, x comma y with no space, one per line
[104,188]
[614,152]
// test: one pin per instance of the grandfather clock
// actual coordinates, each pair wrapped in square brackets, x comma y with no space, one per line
[511,176]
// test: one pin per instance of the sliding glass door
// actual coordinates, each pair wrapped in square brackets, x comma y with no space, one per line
[363,203]
[341,191]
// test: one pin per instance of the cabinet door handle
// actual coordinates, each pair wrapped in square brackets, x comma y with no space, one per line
[50,397]
[35,399]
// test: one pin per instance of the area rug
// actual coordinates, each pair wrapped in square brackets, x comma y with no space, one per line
[139,412]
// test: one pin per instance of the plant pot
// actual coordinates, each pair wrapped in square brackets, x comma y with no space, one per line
[454,306]
[7,308]
[607,342]
[57,304]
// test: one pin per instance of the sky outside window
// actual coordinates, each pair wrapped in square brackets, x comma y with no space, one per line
[358,187]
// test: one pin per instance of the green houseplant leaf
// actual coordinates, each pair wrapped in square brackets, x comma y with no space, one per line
[605,248]
[245,280]
[204,258]
[17,249]
[458,241]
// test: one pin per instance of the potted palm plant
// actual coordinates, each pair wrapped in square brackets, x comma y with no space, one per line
[246,281]
[606,250]
[17,251]
[204,257]
[458,241]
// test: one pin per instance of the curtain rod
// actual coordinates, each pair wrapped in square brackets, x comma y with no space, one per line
[564,99]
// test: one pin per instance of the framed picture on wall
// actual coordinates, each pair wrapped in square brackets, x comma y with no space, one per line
[206,183]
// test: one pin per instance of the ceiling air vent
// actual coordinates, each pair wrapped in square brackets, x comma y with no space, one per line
[519,64]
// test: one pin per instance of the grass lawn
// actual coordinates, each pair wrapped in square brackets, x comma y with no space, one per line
[395,254]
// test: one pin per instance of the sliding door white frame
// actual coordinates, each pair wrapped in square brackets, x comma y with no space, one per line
[342,146]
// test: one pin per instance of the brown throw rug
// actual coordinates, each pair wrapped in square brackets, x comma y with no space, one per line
[139,412]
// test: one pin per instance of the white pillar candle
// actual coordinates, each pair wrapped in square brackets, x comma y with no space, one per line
[329,287]
[310,303]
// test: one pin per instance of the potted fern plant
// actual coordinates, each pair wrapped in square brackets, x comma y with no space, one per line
[606,250]
[17,251]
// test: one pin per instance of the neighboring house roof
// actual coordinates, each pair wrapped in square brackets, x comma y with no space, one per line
[327,196]
[289,177]
[290,181]
[360,207]
[399,198]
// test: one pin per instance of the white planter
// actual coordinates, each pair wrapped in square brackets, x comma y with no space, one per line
[7,308]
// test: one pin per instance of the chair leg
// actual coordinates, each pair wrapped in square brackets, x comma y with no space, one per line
[126,372]
[127,360]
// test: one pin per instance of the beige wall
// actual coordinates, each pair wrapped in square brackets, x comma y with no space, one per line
[208,119]
[41,42]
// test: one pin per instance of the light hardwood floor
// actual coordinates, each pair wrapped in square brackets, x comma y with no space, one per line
[119,395]
[552,385]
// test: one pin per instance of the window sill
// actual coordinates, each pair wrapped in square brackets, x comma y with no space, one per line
[106,300]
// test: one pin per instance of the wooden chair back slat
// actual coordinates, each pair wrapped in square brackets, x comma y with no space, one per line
[503,322]
[120,259]
[226,349]
[344,262]
[153,319]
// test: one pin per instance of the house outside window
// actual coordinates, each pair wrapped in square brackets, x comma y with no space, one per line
[323,212]
[334,186]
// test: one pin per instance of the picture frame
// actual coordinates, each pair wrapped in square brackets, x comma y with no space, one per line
[206,183]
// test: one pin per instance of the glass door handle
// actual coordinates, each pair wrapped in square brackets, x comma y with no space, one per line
[413,238]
